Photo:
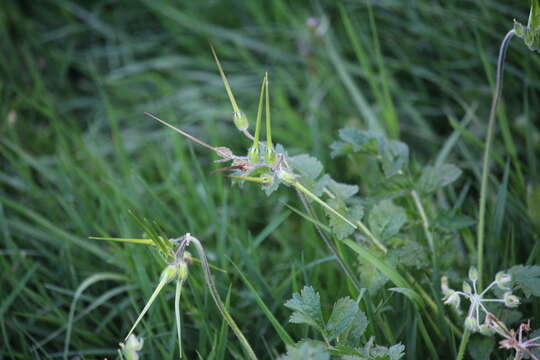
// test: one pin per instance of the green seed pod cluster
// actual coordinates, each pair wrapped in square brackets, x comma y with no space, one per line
[240,120]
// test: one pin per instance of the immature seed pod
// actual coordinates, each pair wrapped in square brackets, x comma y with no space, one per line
[240,120]
[445,289]
[182,270]
[510,300]
[270,156]
[169,273]
[471,323]
[253,154]
[503,280]
[473,274]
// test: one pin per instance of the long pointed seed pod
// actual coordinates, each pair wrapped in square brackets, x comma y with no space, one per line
[240,119]
[270,156]
[181,278]
[253,153]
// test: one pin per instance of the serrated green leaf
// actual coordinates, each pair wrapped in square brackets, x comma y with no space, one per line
[395,156]
[307,350]
[386,219]
[343,314]
[436,177]
[306,166]
[307,308]
[356,141]
[353,335]
[526,278]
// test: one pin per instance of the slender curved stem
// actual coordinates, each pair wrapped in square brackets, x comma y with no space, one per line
[487,149]
[328,242]
[179,283]
[217,299]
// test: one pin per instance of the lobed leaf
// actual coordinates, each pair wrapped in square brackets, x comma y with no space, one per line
[386,219]
[307,308]
[307,350]
[343,315]
[526,278]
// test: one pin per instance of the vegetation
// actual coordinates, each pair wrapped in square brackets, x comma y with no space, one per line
[422,184]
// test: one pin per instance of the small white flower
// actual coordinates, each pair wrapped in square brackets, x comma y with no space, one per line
[130,349]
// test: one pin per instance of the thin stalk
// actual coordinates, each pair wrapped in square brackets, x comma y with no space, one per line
[328,242]
[259,116]
[370,235]
[160,286]
[217,299]
[429,236]
[179,284]
[487,150]
[311,195]
[463,344]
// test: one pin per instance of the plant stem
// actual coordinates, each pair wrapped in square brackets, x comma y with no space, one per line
[463,344]
[429,236]
[179,283]
[487,149]
[370,235]
[329,242]
[217,299]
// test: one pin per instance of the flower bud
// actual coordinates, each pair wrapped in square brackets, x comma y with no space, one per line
[240,120]
[169,273]
[510,300]
[471,324]
[467,289]
[503,280]
[473,274]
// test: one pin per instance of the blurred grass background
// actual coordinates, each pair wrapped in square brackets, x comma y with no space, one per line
[77,152]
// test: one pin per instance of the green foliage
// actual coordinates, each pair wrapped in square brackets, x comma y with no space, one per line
[434,178]
[526,278]
[386,219]
[307,308]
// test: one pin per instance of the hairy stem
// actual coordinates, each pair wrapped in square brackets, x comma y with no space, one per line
[487,149]
[217,299]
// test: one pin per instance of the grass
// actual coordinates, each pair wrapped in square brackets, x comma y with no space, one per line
[77,153]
